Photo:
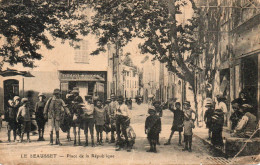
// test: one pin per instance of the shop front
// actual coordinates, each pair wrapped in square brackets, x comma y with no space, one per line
[89,82]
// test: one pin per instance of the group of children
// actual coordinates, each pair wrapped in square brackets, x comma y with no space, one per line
[182,119]
[18,117]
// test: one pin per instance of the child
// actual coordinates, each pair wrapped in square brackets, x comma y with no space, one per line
[106,125]
[12,124]
[188,126]
[131,137]
[24,113]
[99,117]
[177,124]
[39,108]
[152,128]
[208,118]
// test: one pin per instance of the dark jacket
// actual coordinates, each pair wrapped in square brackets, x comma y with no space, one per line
[153,124]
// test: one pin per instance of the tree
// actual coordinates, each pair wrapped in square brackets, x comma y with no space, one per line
[170,41]
[27,25]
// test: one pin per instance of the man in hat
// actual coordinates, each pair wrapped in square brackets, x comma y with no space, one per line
[77,99]
[152,128]
[237,114]
[122,121]
[208,117]
[112,116]
[247,125]
[39,108]
[188,125]
[24,117]
[53,110]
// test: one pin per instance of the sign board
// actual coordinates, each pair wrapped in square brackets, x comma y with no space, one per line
[82,76]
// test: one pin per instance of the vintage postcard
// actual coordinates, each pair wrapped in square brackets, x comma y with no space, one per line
[129,82]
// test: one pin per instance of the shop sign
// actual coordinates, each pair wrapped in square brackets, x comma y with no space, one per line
[84,76]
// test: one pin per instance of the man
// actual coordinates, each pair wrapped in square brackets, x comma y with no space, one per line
[112,116]
[222,105]
[247,125]
[53,110]
[237,114]
[122,121]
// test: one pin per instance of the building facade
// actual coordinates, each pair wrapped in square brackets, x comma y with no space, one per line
[88,73]
[130,81]
[230,61]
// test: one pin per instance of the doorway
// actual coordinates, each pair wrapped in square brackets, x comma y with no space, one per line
[11,89]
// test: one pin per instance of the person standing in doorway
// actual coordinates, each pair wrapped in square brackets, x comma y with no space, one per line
[53,110]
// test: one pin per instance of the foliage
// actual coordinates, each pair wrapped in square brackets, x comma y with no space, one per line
[26,27]
[170,42]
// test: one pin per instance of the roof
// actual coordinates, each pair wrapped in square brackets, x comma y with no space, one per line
[13,72]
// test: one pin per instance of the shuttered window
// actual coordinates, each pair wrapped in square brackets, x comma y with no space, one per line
[82,53]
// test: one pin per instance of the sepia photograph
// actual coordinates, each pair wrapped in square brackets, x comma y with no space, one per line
[129,82]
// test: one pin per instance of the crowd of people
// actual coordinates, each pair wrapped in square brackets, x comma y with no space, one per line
[73,112]
[114,117]
[243,120]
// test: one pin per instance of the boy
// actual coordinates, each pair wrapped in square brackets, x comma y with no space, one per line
[159,112]
[12,124]
[112,116]
[177,124]
[208,117]
[24,114]
[39,108]
[131,137]
[106,125]
[188,125]
[152,128]
[88,119]
[99,117]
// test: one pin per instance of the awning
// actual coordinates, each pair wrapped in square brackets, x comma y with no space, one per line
[13,72]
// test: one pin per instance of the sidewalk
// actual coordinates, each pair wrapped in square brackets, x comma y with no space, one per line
[232,145]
